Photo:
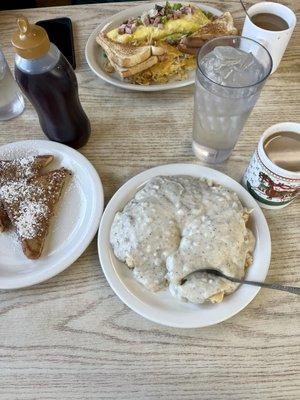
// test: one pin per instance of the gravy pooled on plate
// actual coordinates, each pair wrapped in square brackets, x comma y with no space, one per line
[175,225]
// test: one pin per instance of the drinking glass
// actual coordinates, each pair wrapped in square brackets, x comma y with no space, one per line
[226,92]
[11,99]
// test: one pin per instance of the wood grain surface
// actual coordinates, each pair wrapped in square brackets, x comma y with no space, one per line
[71,337]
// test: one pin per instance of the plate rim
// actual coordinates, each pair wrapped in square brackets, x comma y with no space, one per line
[129,86]
[121,290]
[26,281]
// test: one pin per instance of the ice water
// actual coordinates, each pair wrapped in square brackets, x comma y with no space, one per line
[11,99]
[225,95]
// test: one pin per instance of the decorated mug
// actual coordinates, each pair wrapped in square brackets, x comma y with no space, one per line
[272,186]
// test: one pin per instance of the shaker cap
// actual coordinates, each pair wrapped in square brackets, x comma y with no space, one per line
[30,41]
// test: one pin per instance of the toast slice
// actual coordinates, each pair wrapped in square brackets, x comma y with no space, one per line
[124,55]
[30,205]
[127,72]
[222,26]
[21,168]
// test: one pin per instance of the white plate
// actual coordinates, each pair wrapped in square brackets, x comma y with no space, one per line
[95,58]
[161,307]
[73,227]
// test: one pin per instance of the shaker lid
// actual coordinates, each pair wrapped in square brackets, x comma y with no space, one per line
[30,41]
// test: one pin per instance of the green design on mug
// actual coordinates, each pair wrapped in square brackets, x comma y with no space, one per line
[265,201]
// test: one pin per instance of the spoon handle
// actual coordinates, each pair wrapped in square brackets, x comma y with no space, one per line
[244,7]
[276,286]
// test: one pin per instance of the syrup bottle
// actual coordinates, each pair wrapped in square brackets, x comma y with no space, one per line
[49,82]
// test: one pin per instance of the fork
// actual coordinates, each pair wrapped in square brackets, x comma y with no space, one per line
[217,272]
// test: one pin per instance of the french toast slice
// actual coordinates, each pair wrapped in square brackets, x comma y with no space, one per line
[30,205]
[21,168]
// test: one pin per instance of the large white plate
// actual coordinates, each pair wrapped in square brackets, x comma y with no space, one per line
[161,307]
[73,227]
[95,58]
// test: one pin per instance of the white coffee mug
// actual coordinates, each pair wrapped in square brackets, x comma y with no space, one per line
[275,41]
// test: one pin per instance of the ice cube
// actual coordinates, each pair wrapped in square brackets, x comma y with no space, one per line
[229,66]
[247,62]
[225,53]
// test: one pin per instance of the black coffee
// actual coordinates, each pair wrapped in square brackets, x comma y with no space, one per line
[269,22]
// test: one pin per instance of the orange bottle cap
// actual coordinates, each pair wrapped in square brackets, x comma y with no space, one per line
[30,41]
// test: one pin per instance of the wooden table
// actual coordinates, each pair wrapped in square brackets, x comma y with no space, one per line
[72,338]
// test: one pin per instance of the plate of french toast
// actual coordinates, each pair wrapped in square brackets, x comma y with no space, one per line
[51,202]
[154,46]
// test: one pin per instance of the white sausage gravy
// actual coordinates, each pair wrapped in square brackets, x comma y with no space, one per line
[176,225]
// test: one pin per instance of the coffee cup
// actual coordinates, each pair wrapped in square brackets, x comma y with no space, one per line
[274,41]
[272,186]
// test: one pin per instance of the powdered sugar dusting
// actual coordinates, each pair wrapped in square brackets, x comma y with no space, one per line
[14,191]
[29,217]
[26,164]
[29,202]
[18,151]
[20,168]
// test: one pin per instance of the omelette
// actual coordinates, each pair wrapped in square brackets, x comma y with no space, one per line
[148,29]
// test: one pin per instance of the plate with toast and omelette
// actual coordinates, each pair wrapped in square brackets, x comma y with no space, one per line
[51,202]
[153,46]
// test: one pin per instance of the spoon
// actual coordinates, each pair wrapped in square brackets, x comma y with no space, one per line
[243,5]
[276,286]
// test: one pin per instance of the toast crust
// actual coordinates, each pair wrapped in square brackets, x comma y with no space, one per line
[126,73]
[4,220]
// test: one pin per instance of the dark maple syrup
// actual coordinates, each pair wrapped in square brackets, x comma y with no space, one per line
[54,95]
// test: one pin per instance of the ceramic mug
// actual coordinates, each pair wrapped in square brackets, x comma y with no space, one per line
[274,41]
[273,187]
